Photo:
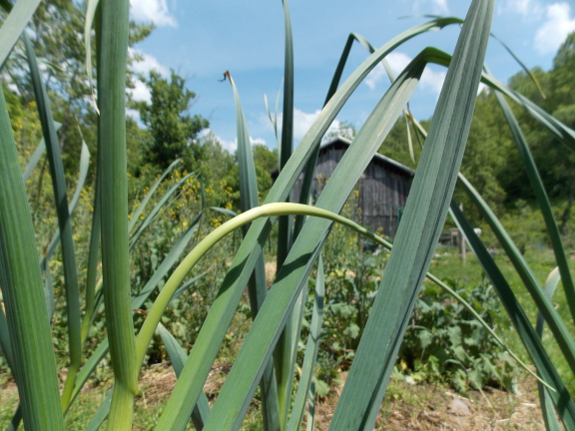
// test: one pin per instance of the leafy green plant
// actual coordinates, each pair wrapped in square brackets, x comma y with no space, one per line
[268,355]
[445,342]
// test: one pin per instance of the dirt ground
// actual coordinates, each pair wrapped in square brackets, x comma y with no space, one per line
[406,406]
[432,407]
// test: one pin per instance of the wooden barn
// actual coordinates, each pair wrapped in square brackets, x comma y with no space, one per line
[380,193]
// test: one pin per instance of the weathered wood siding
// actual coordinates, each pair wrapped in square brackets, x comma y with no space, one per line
[382,188]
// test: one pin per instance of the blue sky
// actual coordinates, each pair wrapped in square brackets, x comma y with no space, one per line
[201,40]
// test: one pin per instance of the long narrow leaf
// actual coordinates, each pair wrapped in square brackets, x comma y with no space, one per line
[565,134]
[64,222]
[169,261]
[112,58]
[56,239]
[135,216]
[101,414]
[147,221]
[544,203]
[37,156]
[23,295]
[561,398]
[178,358]
[16,419]
[91,8]
[139,300]
[288,104]
[5,340]
[231,404]
[523,65]
[420,227]
[14,25]
[206,347]
[283,364]
[257,286]
[93,260]
[545,399]
[311,409]
[311,350]
[82,175]
[556,324]
[511,52]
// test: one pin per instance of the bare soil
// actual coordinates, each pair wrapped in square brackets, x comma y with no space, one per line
[434,407]
[406,406]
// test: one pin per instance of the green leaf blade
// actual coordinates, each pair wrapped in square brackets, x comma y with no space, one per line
[420,228]
[23,294]
[14,25]
[112,58]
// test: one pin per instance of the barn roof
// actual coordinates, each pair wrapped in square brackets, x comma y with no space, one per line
[340,140]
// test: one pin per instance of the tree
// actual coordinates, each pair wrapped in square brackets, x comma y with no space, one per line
[56,32]
[174,133]
[553,159]
[265,161]
[486,155]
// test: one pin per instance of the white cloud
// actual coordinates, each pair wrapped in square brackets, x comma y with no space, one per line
[375,76]
[527,8]
[397,62]
[231,146]
[152,10]
[555,29]
[439,6]
[134,114]
[147,63]
[302,121]
[430,79]
[141,92]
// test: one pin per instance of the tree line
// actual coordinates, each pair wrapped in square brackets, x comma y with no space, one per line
[168,130]
[492,162]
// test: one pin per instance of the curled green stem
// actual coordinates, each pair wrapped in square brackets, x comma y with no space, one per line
[273,210]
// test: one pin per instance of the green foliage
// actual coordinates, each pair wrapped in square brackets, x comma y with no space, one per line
[554,163]
[444,342]
[265,161]
[55,30]
[485,159]
[174,133]
[361,324]
[353,281]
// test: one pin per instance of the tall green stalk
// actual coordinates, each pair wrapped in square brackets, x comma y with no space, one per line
[112,58]
[23,294]
[257,286]
[420,227]
[64,223]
